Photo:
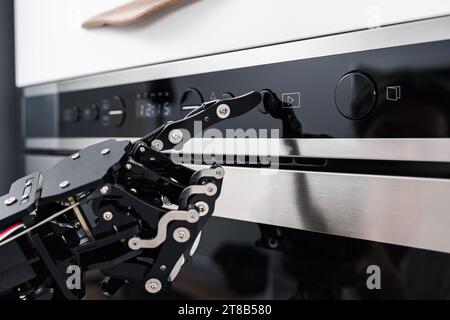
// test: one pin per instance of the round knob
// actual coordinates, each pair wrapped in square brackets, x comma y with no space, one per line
[90,113]
[355,95]
[191,99]
[112,112]
[71,114]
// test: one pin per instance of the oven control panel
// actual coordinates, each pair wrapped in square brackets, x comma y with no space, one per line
[399,92]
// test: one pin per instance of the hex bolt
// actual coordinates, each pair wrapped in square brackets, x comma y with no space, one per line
[142,149]
[133,243]
[163,268]
[153,285]
[202,208]
[211,189]
[176,136]
[108,216]
[104,190]
[75,156]
[181,235]
[10,201]
[193,216]
[220,173]
[105,151]
[128,166]
[223,111]
[157,145]
[64,184]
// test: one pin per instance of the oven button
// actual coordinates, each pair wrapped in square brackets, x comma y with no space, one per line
[190,100]
[227,95]
[71,115]
[113,118]
[90,113]
[355,95]
[112,112]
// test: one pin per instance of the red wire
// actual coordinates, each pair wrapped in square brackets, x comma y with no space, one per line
[10,228]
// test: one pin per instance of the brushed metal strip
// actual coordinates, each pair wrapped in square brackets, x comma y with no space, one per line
[411,212]
[432,150]
[74,144]
[434,29]
[404,211]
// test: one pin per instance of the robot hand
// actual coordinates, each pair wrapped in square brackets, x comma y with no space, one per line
[124,208]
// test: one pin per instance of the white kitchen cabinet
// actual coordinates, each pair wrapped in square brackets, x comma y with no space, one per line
[51,45]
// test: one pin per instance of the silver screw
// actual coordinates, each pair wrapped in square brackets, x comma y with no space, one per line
[108,216]
[10,201]
[211,189]
[176,136]
[75,156]
[202,208]
[128,166]
[104,190]
[163,268]
[157,145]
[153,285]
[133,244]
[105,151]
[220,173]
[223,111]
[193,216]
[181,235]
[142,149]
[64,184]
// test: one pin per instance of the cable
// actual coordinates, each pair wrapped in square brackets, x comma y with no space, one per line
[6,233]
[50,218]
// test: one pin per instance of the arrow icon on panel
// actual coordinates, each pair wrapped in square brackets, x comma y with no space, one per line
[291,100]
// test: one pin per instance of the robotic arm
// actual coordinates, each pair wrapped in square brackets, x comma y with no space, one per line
[124,208]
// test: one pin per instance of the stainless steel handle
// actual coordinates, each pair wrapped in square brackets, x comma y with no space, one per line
[406,211]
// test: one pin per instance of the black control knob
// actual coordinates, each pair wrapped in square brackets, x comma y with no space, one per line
[112,112]
[90,113]
[355,95]
[227,95]
[71,114]
[191,99]
[269,101]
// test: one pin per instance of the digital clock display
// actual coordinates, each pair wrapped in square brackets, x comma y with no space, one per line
[146,108]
